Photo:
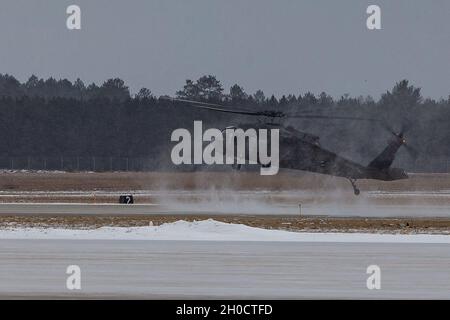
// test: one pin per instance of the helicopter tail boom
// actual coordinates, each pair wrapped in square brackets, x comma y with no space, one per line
[385,159]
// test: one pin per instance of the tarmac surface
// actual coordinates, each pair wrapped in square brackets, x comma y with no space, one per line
[217,269]
[221,208]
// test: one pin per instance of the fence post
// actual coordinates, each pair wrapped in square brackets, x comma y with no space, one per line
[93,162]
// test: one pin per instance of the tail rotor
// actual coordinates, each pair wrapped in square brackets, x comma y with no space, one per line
[406,126]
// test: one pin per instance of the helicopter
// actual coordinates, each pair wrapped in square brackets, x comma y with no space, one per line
[302,151]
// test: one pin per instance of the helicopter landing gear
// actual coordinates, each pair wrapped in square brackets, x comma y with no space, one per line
[355,188]
[236,166]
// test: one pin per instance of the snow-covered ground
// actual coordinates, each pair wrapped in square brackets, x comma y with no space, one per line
[211,230]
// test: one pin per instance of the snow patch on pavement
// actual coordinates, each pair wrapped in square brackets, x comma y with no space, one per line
[211,230]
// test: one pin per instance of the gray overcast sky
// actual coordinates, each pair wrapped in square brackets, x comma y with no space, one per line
[284,46]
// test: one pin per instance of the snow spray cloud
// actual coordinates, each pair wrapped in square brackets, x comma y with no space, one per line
[233,141]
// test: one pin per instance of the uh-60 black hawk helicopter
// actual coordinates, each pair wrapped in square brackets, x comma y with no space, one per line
[301,151]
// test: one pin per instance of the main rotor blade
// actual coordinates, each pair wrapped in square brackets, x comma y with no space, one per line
[264,113]
[214,107]
[313,116]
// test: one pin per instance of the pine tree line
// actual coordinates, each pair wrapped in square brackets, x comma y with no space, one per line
[54,118]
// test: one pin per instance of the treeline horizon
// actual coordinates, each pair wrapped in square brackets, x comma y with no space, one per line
[52,118]
[206,88]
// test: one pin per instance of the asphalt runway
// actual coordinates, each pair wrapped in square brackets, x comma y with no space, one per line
[216,269]
[30,209]
[239,208]
[426,204]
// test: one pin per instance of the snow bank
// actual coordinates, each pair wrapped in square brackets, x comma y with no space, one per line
[210,230]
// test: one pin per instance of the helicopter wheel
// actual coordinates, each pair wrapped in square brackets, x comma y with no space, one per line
[356,191]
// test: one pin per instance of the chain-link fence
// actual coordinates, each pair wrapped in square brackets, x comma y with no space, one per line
[103,164]
[65,163]
[437,165]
